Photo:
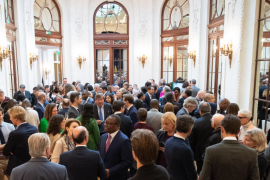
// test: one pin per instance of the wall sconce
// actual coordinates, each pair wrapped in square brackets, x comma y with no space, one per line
[142,59]
[192,55]
[170,59]
[227,50]
[33,57]
[47,71]
[215,51]
[80,60]
[4,53]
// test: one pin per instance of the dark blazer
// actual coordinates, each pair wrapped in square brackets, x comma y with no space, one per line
[90,101]
[180,160]
[17,144]
[147,100]
[132,113]
[27,95]
[181,101]
[215,138]
[63,111]
[151,172]
[200,133]
[126,126]
[162,102]
[34,100]
[158,92]
[107,113]
[262,163]
[40,110]
[83,164]
[181,112]
[39,168]
[73,113]
[118,159]
[213,110]
[230,160]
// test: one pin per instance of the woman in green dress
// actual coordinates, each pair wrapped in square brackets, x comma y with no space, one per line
[88,121]
[50,111]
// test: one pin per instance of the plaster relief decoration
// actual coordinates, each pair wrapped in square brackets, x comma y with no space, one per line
[233,7]
[79,28]
[28,19]
[143,28]
[195,18]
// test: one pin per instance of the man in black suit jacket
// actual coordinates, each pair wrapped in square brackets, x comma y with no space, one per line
[230,159]
[215,137]
[131,111]
[27,94]
[126,125]
[34,98]
[40,107]
[200,133]
[39,167]
[115,150]
[187,94]
[148,96]
[83,163]
[76,100]
[102,111]
[145,150]
[66,107]
[17,145]
[189,105]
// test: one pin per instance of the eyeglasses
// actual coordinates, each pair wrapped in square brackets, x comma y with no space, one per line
[109,124]
[241,117]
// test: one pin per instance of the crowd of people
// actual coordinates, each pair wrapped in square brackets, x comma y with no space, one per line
[156,132]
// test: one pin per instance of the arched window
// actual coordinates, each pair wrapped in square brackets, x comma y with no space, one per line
[216,30]
[111,43]
[11,38]
[261,100]
[47,22]
[174,35]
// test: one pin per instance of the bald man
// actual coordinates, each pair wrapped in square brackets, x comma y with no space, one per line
[215,138]
[200,96]
[83,163]
[154,116]
[66,106]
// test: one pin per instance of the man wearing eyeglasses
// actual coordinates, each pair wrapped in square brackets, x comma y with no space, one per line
[115,150]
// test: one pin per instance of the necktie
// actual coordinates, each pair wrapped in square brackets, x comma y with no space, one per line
[100,114]
[108,142]
[78,111]
[2,136]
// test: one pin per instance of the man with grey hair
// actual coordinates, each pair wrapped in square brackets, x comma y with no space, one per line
[3,101]
[79,84]
[190,105]
[195,90]
[162,100]
[200,96]
[96,90]
[200,133]
[39,167]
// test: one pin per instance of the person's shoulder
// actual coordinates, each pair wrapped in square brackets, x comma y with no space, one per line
[57,166]
[104,136]
[160,132]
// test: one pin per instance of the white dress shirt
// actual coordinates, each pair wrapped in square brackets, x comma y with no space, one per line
[102,111]
[178,136]
[230,138]
[6,129]
[112,136]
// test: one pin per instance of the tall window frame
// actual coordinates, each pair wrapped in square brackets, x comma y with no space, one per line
[216,32]
[174,63]
[111,41]
[261,100]
[11,38]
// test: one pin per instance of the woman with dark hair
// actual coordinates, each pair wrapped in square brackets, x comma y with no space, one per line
[233,108]
[54,93]
[57,123]
[74,83]
[67,89]
[50,111]
[138,104]
[176,95]
[109,99]
[170,98]
[90,88]
[143,89]
[11,103]
[85,86]
[20,98]
[184,86]
[89,122]
[109,89]
[61,91]
[65,143]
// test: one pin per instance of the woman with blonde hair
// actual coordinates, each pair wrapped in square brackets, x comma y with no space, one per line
[65,143]
[245,117]
[168,129]
[256,139]
[209,98]
[168,108]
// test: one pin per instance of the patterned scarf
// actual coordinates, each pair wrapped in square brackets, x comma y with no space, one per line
[69,144]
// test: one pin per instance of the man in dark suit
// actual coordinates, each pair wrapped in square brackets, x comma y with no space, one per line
[76,100]
[86,98]
[190,104]
[195,90]
[223,106]
[27,94]
[179,156]
[161,84]
[148,96]
[95,91]
[200,133]
[34,98]
[17,145]
[102,111]
[131,111]
[66,106]
[213,110]
[230,159]
[126,125]
[39,167]
[187,94]
[104,91]
[145,150]
[79,84]
[162,100]
[215,137]
[77,161]
[262,88]
[115,150]
[40,108]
